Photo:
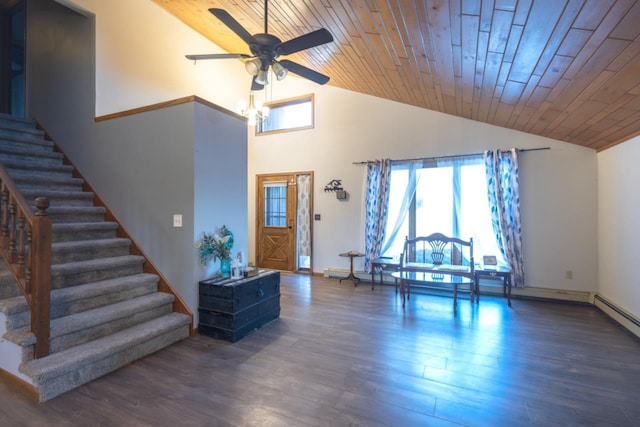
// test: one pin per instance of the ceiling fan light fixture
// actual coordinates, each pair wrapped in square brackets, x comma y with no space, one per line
[262,77]
[255,111]
[279,70]
[253,66]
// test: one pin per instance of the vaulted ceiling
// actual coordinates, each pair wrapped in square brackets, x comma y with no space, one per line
[564,69]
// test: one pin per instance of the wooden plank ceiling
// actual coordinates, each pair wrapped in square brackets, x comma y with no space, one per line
[564,69]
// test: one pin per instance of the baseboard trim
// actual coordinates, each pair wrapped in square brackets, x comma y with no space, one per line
[617,313]
[487,287]
[20,383]
[491,287]
[548,294]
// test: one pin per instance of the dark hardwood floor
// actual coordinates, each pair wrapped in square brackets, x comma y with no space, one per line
[342,356]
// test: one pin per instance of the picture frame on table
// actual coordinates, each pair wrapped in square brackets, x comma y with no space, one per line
[489,260]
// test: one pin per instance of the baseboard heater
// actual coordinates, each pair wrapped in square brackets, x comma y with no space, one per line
[617,309]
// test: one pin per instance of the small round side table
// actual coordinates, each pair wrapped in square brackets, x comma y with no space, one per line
[351,276]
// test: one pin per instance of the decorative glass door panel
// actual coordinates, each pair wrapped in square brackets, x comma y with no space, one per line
[275,212]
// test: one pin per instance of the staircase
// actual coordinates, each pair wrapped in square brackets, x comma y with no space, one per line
[105,311]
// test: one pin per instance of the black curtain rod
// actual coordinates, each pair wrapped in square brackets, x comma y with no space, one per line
[454,156]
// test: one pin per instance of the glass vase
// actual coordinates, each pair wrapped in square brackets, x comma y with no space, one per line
[225,267]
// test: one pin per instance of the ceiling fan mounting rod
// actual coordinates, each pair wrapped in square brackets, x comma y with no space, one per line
[266,16]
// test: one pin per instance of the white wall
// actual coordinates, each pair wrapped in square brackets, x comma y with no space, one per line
[139,61]
[140,51]
[558,186]
[618,226]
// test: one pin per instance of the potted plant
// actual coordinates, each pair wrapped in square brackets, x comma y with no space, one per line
[217,245]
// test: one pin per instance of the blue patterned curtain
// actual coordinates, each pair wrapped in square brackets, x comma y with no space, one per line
[376,208]
[504,199]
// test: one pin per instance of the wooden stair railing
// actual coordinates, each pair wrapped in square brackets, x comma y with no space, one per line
[25,245]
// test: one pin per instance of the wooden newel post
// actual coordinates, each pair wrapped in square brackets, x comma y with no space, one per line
[41,278]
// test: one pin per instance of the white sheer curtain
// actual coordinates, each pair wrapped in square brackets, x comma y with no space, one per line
[446,195]
[398,208]
[456,164]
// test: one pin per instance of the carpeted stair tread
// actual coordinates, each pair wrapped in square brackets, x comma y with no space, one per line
[80,250]
[29,166]
[100,315]
[68,209]
[57,363]
[22,337]
[20,151]
[25,126]
[94,264]
[13,305]
[9,290]
[22,136]
[8,286]
[83,230]
[47,181]
[60,198]
[70,331]
[16,312]
[81,272]
[79,298]
[57,175]
[65,370]
[89,296]
[17,121]
[76,213]
[22,129]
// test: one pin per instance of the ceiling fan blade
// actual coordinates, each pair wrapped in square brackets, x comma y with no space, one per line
[305,72]
[218,56]
[233,25]
[255,85]
[312,39]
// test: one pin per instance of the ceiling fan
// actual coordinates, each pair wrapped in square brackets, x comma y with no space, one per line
[266,48]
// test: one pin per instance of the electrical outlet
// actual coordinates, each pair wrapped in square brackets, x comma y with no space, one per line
[177,220]
[316,217]
[568,274]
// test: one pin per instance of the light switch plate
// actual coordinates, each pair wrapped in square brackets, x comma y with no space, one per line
[177,220]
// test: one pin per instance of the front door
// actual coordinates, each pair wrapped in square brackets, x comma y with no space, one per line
[276,222]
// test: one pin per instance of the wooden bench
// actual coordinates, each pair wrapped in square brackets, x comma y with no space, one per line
[442,257]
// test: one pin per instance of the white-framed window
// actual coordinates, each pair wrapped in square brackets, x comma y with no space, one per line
[288,115]
[445,196]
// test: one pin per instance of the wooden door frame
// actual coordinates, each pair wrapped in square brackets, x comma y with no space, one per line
[258,219]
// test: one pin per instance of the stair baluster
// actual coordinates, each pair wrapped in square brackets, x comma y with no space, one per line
[34,278]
